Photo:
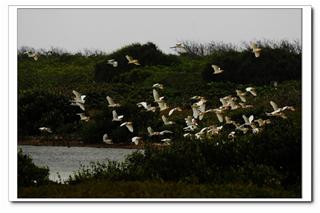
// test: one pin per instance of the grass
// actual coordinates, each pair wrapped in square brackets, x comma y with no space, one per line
[154,189]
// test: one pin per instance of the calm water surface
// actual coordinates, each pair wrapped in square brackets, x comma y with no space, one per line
[66,160]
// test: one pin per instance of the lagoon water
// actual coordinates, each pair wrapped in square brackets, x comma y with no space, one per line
[66,160]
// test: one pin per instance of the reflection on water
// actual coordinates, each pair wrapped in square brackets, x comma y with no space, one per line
[66,160]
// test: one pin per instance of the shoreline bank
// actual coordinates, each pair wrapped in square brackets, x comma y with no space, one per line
[74,143]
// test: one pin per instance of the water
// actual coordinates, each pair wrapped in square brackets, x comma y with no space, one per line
[66,160]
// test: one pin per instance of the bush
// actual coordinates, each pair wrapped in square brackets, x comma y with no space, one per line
[38,108]
[275,64]
[29,174]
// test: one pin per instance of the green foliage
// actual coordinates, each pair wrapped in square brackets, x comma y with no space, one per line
[155,189]
[29,174]
[242,67]
[38,108]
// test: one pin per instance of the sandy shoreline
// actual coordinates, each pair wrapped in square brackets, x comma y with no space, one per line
[74,143]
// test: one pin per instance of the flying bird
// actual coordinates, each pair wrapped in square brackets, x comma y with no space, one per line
[217,70]
[279,112]
[106,140]
[113,62]
[132,61]
[111,102]
[252,90]
[116,117]
[255,50]
[45,129]
[78,97]
[136,140]
[128,125]
[248,121]
[148,107]
[34,55]
[152,132]
[178,45]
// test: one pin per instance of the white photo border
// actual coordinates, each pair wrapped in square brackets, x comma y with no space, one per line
[307,163]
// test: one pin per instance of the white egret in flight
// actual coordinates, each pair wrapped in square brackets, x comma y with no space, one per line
[217,70]
[106,140]
[45,129]
[255,50]
[136,140]
[128,125]
[132,61]
[116,117]
[111,102]
[113,62]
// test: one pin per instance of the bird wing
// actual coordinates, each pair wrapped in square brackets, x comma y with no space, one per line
[251,118]
[188,120]
[136,62]
[253,45]
[130,127]
[143,104]
[224,103]
[81,115]
[165,131]
[163,105]
[81,106]
[155,95]
[202,107]
[82,98]
[274,106]
[77,94]
[105,137]
[150,130]
[195,112]
[253,91]
[110,100]
[129,58]
[245,119]
[114,114]
[164,119]
[242,97]
[219,116]
[123,124]
[215,67]
[171,111]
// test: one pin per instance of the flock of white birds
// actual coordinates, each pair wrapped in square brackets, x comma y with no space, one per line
[199,110]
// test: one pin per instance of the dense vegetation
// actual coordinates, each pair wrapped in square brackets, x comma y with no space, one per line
[29,174]
[270,159]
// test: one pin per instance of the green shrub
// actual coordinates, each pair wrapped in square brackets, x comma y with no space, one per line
[29,174]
